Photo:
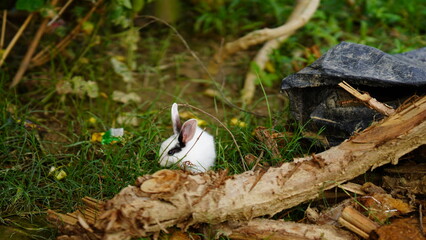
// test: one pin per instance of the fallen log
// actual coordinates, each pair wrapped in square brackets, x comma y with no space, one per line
[176,198]
[279,230]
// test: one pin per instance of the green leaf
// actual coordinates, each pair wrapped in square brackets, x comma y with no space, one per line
[29,5]
[125,3]
[92,89]
[138,5]
[123,70]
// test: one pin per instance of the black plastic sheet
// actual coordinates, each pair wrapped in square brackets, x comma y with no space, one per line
[317,101]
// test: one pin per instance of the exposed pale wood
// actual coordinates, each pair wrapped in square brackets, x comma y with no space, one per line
[357,222]
[368,100]
[353,187]
[353,228]
[278,229]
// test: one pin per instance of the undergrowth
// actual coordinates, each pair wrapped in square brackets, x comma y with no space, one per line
[42,129]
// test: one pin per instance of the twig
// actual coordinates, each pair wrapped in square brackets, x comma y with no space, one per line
[44,55]
[352,187]
[356,222]
[422,230]
[3,28]
[258,160]
[303,10]
[60,12]
[223,125]
[263,35]
[31,49]
[15,38]
[368,100]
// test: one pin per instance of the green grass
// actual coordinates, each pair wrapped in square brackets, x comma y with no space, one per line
[28,188]
[92,169]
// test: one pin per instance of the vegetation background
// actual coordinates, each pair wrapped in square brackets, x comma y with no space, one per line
[125,69]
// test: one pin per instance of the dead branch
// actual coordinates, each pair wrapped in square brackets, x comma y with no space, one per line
[263,35]
[278,229]
[368,100]
[15,38]
[273,38]
[61,11]
[304,9]
[3,29]
[47,53]
[357,223]
[175,198]
[31,49]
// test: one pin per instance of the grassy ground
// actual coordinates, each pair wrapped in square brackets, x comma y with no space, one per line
[61,127]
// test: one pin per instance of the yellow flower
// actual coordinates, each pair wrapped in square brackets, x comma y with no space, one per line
[92,120]
[239,123]
[186,115]
[97,137]
[201,122]
[104,95]
[61,174]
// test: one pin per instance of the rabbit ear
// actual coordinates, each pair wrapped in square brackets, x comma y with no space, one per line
[188,130]
[175,119]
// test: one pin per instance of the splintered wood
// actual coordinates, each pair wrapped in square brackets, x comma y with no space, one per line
[176,198]
[356,222]
[368,100]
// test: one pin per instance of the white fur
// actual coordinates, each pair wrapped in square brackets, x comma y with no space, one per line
[198,155]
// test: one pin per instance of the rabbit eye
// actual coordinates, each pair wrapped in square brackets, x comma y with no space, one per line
[174,150]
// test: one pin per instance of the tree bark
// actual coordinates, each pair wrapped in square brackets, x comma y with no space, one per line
[280,230]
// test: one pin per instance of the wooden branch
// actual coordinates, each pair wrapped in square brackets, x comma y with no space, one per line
[357,223]
[175,198]
[278,229]
[368,100]
[304,9]
[262,57]
[15,38]
[3,29]
[263,35]
[47,53]
[31,49]
[62,10]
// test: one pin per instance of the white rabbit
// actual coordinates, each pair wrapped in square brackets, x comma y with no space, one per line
[190,147]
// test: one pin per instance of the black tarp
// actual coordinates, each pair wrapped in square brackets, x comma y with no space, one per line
[317,101]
